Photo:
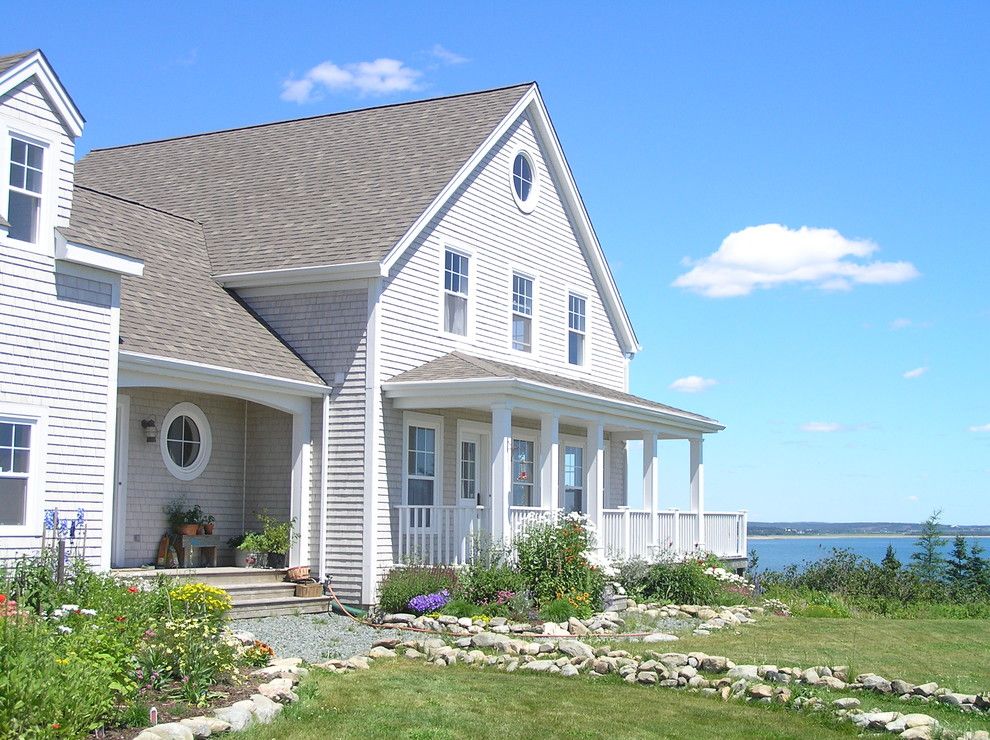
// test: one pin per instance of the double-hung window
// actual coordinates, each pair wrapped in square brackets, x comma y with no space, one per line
[577,309]
[455,289]
[24,199]
[523,472]
[15,470]
[421,472]
[522,313]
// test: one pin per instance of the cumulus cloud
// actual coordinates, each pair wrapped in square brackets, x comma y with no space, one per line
[916,373]
[692,384]
[760,257]
[823,427]
[980,429]
[447,56]
[379,77]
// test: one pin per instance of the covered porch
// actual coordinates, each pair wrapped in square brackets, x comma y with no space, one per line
[483,457]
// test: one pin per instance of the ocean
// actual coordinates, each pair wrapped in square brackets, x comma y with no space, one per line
[779,552]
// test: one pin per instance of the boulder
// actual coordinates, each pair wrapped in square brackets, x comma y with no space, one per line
[660,637]
[554,630]
[846,703]
[875,683]
[491,640]
[568,670]
[901,687]
[279,689]
[389,642]
[919,720]
[265,710]
[378,652]
[540,666]
[746,672]
[576,627]
[810,676]
[833,683]
[647,677]
[714,664]
[236,716]
[917,733]
[760,691]
[575,649]
[926,689]
[171,731]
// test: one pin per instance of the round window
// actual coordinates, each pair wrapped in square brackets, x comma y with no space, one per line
[525,183]
[187,442]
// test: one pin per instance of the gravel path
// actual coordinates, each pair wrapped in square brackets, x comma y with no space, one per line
[313,637]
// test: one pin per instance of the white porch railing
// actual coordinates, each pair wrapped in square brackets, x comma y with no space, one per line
[439,535]
[625,533]
[521,517]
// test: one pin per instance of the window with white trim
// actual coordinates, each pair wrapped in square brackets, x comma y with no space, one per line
[421,472]
[523,472]
[15,472]
[522,313]
[24,196]
[455,288]
[525,181]
[576,329]
[187,441]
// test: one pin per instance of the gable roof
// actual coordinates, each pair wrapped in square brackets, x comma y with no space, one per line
[333,189]
[8,61]
[457,366]
[17,68]
[176,310]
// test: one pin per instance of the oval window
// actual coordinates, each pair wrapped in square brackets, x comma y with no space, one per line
[525,184]
[187,441]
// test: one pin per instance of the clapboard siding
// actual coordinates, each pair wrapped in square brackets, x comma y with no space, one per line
[26,104]
[327,329]
[482,217]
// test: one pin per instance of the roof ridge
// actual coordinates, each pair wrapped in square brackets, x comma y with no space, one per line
[477,362]
[138,203]
[315,117]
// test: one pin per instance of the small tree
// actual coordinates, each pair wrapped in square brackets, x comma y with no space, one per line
[890,563]
[978,569]
[958,565]
[928,563]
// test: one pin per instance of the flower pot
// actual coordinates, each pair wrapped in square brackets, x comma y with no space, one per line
[250,559]
[276,560]
[298,573]
[208,528]
[188,529]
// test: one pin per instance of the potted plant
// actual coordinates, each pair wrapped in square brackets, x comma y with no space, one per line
[182,520]
[250,550]
[209,522]
[277,538]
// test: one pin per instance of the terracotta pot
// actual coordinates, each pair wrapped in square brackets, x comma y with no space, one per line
[208,528]
[188,529]
[298,573]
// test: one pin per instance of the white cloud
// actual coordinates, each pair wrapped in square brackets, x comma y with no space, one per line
[912,498]
[765,256]
[898,324]
[916,373]
[379,77]
[823,426]
[692,384]
[980,429]
[447,56]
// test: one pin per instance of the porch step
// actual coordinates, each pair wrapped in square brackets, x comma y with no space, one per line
[254,608]
[221,576]
[254,591]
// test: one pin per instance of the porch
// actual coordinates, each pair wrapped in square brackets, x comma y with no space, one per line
[485,457]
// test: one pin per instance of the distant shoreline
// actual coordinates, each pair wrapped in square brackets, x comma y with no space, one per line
[850,536]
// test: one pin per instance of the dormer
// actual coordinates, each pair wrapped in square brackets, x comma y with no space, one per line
[39,124]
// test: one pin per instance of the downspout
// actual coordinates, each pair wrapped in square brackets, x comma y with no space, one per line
[324,485]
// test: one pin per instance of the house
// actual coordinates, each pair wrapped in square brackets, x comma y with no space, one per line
[394,325]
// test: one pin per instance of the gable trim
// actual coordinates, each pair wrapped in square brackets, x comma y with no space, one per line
[573,204]
[37,66]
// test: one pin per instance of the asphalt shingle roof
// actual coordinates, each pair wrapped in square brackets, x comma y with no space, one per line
[460,366]
[317,191]
[8,61]
[176,309]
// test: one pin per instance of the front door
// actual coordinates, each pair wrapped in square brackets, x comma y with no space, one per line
[573,479]
[470,490]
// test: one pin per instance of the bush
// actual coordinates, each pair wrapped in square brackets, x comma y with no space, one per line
[403,583]
[554,562]
[558,610]
[200,601]
[490,577]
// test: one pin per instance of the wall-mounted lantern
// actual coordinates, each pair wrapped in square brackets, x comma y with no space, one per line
[150,430]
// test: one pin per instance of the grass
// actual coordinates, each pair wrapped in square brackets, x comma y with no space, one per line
[405,699]
[951,652]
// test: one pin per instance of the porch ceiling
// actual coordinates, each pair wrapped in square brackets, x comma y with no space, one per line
[457,380]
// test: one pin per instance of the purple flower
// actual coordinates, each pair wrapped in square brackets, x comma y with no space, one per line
[49,518]
[427,603]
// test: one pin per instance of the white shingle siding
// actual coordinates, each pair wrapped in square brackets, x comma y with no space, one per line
[55,340]
[483,218]
[327,329]
[267,463]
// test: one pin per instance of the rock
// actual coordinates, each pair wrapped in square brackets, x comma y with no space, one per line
[413,653]
[647,677]
[687,672]
[265,710]
[575,649]
[919,720]
[674,660]
[245,638]
[203,726]
[714,664]
[236,716]
[602,667]
[389,642]
[926,689]
[747,672]
[760,691]
[833,683]
[660,637]
[568,670]
[554,630]
[901,687]
[171,731]
[811,676]
[782,695]
[576,627]
[874,682]
[540,666]
[465,622]
[401,618]
[490,640]
[279,689]
[917,733]
[846,703]
[380,652]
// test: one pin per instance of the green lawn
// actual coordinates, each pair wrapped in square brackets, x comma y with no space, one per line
[401,698]
[952,652]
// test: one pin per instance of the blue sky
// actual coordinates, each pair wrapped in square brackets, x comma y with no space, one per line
[684,124]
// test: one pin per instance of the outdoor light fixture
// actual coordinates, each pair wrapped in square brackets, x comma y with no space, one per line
[150,430]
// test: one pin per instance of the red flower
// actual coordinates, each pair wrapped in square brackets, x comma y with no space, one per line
[120,619]
[3,598]
[55,725]
[133,589]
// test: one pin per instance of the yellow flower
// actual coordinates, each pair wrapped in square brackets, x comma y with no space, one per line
[61,661]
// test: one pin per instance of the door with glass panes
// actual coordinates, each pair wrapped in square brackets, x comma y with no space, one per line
[572,476]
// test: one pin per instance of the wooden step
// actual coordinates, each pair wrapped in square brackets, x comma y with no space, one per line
[254,591]
[220,576]
[255,608]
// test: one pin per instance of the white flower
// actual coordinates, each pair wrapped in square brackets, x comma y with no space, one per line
[597,559]
[69,607]
[58,613]
[65,630]
[88,612]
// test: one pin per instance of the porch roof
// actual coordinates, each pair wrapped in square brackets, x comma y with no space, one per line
[457,374]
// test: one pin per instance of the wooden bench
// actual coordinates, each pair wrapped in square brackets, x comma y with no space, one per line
[186,543]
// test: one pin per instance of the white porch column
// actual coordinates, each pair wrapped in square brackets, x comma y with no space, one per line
[698,487]
[595,471]
[501,471]
[301,468]
[550,461]
[650,481]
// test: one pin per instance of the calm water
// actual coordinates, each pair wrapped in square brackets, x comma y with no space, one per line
[776,553]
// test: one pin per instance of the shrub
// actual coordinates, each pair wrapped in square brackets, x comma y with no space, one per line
[461,608]
[681,583]
[199,600]
[558,610]
[490,576]
[403,583]
[554,562]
